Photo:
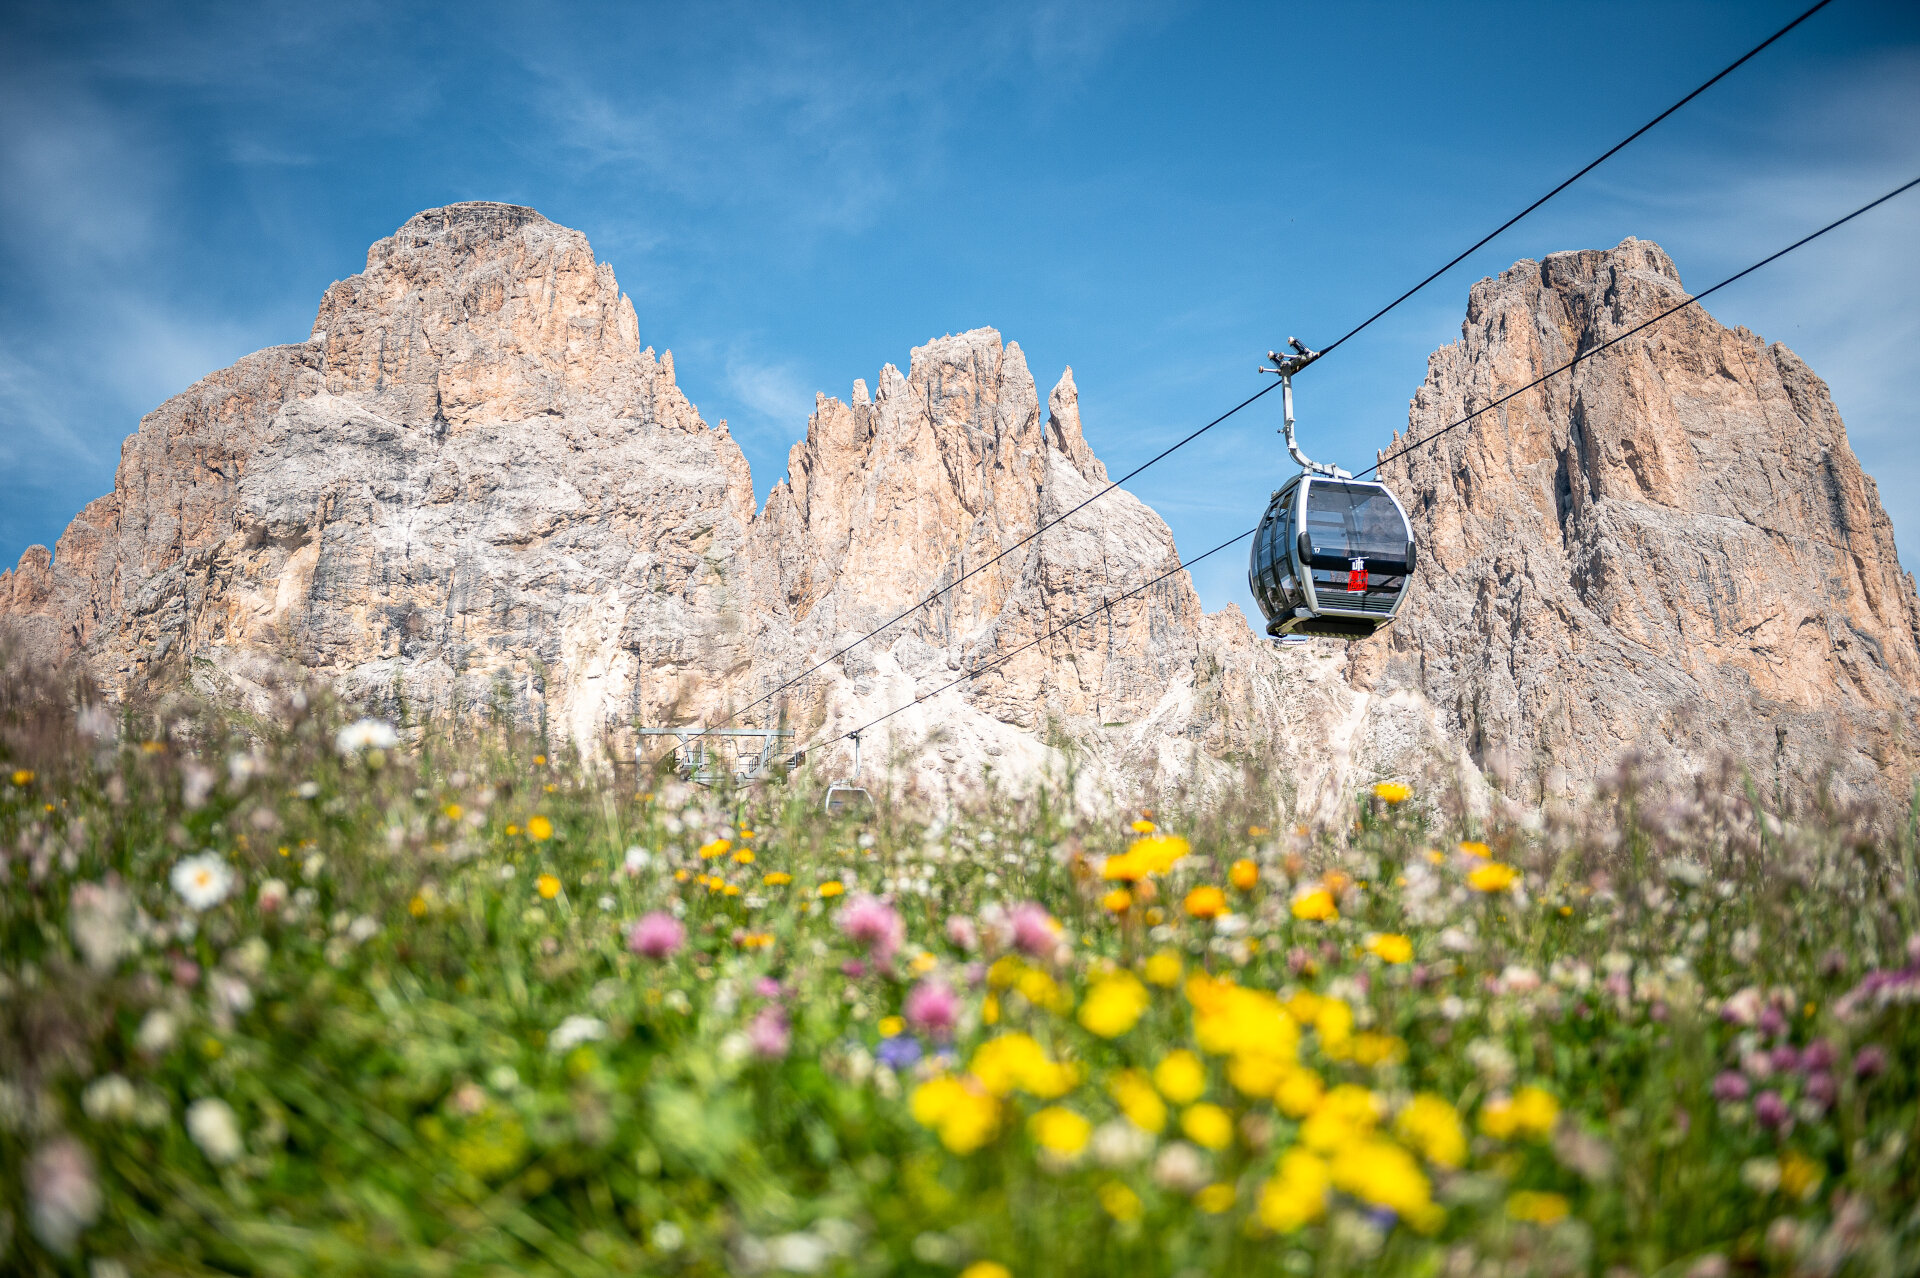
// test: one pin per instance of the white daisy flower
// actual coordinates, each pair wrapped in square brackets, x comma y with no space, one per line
[214,1129]
[366,734]
[202,881]
[574,1031]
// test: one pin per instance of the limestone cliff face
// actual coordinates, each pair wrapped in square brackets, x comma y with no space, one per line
[1671,549]
[470,487]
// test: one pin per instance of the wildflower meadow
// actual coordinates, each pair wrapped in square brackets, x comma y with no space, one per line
[328,995]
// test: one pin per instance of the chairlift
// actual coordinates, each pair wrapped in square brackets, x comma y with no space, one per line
[1333,555]
[847,797]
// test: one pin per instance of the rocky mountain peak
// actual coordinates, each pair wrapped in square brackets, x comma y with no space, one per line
[1670,549]
[489,312]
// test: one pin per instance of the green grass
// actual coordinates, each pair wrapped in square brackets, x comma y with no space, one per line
[383,1033]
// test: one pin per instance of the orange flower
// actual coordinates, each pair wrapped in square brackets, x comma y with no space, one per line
[548,886]
[1205,902]
[1244,874]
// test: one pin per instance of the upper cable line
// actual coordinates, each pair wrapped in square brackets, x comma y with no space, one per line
[1044,525]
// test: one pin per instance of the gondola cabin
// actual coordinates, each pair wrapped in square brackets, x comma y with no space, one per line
[1332,557]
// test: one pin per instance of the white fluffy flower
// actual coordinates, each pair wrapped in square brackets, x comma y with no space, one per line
[109,1099]
[366,734]
[574,1031]
[214,1129]
[637,859]
[202,881]
[156,1033]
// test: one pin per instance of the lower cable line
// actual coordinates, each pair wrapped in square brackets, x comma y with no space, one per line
[1005,657]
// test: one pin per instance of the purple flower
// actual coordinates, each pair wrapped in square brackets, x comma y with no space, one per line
[1730,1086]
[1034,931]
[1871,1061]
[1770,1111]
[1785,1060]
[1818,1057]
[1772,1022]
[1821,1090]
[853,969]
[932,1007]
[769,1034]
[875,926]
[962,933]
[656,936]
[901,1051]
[767,987]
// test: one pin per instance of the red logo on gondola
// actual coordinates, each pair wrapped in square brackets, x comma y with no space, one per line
[1357,577]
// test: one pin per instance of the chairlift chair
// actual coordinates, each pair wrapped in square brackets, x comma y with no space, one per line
[1333,555]
[847,797]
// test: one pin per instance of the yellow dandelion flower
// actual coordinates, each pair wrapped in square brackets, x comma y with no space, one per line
[732,889]
[1142,827]
[923,963]
[1432,1127]
[1214,1199]
[744,856]
[832,887]
[747,834]
[453,811]
[1392,792]
[1372,1049]
[22,776]
[1299,1093]
[1114,1004]
[1118,901]
[1529,1112]
[1207,1126]
[539,829]
[1243,874]
[1180,1076]
[964,1117]
[512,831]
[1390,947]
[1478,851]
[548,886]
[1164,969]
[714,848]
[417,906]
[1257,1073]
[681,876]
[1380,1173]
[1799,1175]
[891,1025]
[1060,1131]
[986,1269]
[1120,1202]
[1494,876]
[1138,1101]
[1205,902]
[1537,1207]
[1297,1194]
[777,878]
[1315,905]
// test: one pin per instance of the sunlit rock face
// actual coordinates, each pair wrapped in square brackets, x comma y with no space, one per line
[1670,549]
[474,491]
[471,489]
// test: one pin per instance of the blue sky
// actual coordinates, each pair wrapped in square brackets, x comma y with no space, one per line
[795,195]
